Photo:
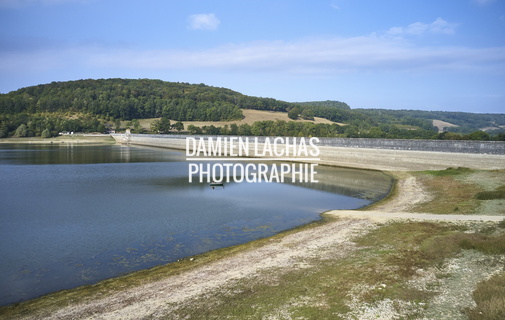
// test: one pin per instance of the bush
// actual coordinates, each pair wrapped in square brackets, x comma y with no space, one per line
[485,244]
[499,193]
[449,171]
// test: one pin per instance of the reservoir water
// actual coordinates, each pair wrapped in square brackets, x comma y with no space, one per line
[72,215]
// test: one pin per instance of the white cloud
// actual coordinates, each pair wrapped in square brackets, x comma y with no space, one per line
[309,56]
[334,6]
[203,22]
[439,26]
[312,56]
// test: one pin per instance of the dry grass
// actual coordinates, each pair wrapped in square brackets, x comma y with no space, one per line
[442,124]
[250,117]
[452,195]
[490,299]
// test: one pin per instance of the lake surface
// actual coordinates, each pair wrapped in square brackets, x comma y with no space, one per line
[72,215]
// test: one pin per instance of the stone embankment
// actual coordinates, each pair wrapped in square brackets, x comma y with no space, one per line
[376,154]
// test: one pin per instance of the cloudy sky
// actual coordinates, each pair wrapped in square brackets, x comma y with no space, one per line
[417,54]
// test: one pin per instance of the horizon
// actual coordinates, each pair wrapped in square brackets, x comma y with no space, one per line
[421,55]
[352,108]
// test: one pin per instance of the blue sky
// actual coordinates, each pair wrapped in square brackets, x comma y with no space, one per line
[418,54]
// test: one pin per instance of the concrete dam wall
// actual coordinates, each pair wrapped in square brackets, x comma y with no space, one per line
[377,154]
[463,146]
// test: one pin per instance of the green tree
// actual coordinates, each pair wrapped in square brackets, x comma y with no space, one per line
[137,128]
[294,113]
[307,114]
[234,129]
[46,133]
[478,135]
[179,126]
[194,129]
[4,130]
[244,130]
[21,131]
[448,136]
[351,131]
[101,128]
[161,125]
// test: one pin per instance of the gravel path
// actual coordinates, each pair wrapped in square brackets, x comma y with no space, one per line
[382,216]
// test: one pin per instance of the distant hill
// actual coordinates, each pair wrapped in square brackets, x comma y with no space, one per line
[462,122]
[128,99]
[99,105]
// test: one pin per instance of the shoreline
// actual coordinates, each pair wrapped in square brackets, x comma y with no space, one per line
[79,139]
[159,290]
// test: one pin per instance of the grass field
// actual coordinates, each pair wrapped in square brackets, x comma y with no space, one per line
[250,116]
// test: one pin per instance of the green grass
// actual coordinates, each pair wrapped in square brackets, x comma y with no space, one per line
[451,194]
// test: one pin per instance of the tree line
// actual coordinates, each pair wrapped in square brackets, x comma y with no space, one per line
[307,129]
[49,125]
[99,105]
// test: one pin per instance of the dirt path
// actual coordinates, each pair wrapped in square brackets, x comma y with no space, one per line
[409,193]
[382,216]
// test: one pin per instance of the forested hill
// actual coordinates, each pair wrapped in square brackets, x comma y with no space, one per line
[128,99]
[464,122]
[98,105]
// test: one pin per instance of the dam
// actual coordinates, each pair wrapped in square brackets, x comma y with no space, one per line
[374,154]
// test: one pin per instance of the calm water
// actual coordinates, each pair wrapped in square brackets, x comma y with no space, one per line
[74,215]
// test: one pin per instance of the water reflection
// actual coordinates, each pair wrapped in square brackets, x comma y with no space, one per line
[70,153]
[125,153]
